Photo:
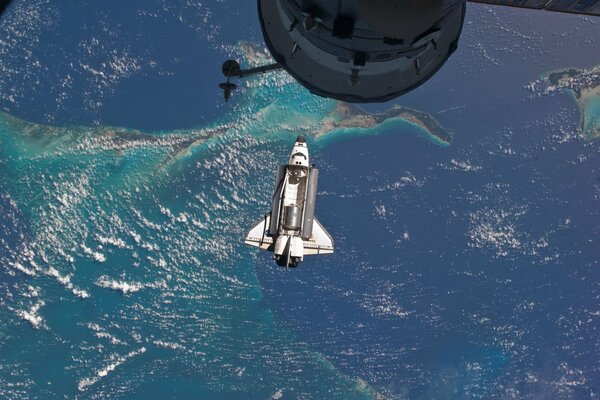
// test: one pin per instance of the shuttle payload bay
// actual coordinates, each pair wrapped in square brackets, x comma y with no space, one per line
[291,230]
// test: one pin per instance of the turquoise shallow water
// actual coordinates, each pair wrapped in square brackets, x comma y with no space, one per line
[467,271]
[125,273]
[592,116]
[130,276]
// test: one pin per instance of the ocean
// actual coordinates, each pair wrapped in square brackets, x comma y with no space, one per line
[461,271]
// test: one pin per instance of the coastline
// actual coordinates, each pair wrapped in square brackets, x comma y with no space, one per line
[349,116]
[584,86]
[125,161]
[589,104]
[333,115]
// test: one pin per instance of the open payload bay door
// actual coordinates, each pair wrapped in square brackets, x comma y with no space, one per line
[585,7]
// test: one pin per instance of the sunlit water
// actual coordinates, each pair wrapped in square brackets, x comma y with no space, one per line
[461,271]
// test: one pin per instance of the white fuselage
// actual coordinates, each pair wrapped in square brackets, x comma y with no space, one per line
[291,230]
[289,242]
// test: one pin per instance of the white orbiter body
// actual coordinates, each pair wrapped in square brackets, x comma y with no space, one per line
[291,230]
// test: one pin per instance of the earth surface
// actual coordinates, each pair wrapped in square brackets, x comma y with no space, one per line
[463,269]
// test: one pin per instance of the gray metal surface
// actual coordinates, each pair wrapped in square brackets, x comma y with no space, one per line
[292,216]
[276,206]
[309,205]
[361,65]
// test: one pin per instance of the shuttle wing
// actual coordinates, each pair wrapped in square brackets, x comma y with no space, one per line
[320,241]
[588,7]
[258,234]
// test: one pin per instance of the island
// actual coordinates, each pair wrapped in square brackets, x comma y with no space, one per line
[266,107]
[584,85]
[340,115]
[91,140]
[346,115]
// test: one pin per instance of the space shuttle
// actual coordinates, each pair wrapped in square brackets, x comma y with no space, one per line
[291,231]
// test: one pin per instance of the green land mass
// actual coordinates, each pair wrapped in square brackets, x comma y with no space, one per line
[346,115]
[296,111]
[318,119]
[584,85]
[343,115]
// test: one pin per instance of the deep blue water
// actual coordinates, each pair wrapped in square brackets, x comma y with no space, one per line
[499,268]
[461,271]
[150,65]
[493,292]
